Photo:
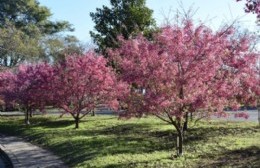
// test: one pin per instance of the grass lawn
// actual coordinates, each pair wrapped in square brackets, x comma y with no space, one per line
[105,141]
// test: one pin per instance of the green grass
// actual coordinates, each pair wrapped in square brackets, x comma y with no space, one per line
[105,141]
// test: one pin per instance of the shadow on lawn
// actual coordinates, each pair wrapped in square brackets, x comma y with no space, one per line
[60,122]
[247,157]
[129,138]
[132,138]
[81,145]
[203,134]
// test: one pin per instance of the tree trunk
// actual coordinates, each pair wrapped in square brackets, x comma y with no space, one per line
[26,120]
[179,144]
[93,113]
[76,122]
[180,134]
[185,125]
[258,109]
[31,114]
[191,116]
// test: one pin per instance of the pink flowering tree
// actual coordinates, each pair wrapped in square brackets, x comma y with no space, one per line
[27,87]
[7,78]
[82,82]
[185,69]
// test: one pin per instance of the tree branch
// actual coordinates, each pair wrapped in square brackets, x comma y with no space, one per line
[160,117]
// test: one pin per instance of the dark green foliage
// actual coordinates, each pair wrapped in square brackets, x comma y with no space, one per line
[23,26]
[30,16]
[125,17]
[16,46]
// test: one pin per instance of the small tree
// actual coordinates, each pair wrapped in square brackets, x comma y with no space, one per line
[27,87]
[7,78]
[186,68]
[81,83]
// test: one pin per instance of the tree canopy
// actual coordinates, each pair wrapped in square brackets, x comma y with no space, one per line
[78,84]
[57,47]
[30,16]
[16,46]
[124,17]
[24,24]
[185,69]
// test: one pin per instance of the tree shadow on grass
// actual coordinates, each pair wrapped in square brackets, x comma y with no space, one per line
[65,121]
[240,158]
[81,145]
[128,138]
[203,134]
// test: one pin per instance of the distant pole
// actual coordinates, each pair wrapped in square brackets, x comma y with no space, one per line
[258,97]
[258,109]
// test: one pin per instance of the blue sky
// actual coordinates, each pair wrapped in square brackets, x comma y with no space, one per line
[212,12]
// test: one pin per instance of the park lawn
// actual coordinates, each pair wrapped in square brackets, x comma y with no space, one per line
[105,141]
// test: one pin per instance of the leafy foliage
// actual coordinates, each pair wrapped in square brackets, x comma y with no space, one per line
[125,17]
[30,16]
[23,26]
[16,46]
[57,48]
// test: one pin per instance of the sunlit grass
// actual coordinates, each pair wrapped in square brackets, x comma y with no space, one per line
[105,141]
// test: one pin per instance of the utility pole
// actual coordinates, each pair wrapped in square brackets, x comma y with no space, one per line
[258,109]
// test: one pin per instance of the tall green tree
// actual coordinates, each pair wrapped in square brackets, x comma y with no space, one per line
[29,15]
[23,26]
[16,46]
[124,17]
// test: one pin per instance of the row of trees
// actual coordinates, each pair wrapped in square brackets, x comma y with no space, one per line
[169,72]
[184,69]
[77,85]
[28,34]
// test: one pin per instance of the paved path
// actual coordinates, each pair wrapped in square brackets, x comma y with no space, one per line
[2,164]
[26,155]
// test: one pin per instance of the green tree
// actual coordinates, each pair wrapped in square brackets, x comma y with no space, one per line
[58,47]
[23,26]
[125,17]
[16,46]
[29,16]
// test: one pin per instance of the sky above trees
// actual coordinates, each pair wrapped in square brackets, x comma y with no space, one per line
[213,13]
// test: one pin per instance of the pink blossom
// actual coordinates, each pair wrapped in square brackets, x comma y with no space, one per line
[80,83]
[186,68]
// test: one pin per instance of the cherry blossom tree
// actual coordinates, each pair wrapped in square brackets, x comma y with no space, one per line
[7,78]
[82,82]
[26,87]
[185,69]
